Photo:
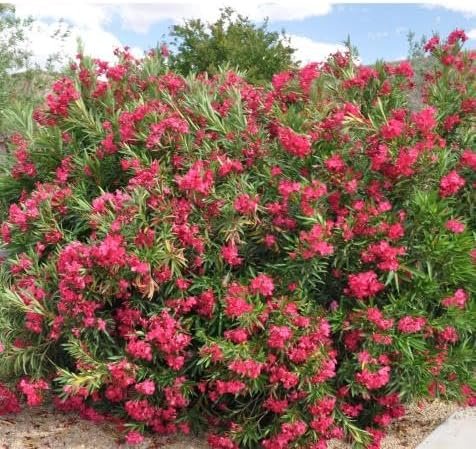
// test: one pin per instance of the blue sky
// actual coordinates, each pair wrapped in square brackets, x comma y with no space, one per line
[316,27]
[378,30]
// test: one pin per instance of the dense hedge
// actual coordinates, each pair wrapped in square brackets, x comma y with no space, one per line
[277,266]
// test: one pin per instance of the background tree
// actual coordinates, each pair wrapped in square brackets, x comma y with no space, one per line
[13,55]
[232,40]
[422,62]
[23,81]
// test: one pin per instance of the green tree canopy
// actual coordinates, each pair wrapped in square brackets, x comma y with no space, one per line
[232,40]
[13,56]
[23,82]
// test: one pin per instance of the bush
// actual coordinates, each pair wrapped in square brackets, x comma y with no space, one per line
[23,82]
[277,265]
[231,40]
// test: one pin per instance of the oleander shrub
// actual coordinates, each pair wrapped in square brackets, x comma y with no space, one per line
[276,266]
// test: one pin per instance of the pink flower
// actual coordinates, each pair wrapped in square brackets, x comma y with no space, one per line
[278,335]
[276,405]
[145,238]
[468,159]
[382,339]
[63,94]
[375,316]
[364,285]
[236,306]
[9,403]
[197,179]
[116,72]
[468,393]
[140,349]
[395,231]
[459,299]
[121,373]
[174,395]
[157,130]
[307,75]
[248,368]
[276,170]
[394,128]
[221,442]
[206,304]
[34,322]
[230,255]
[110,252]
[384,255]
[449,334]
[33,390]
[269,240]
[456,35]
[289,432]
[295,144]
[146,387]
[134,437]
[352,410]
[182,284]
[5,232]
[411,324]
[246,205]
[229,387]
[280,79]
[432,44]
[451,121]
[228,166]
[335,163]
[214,351]
[236,336]
[451,183]
[373,380]
[115,393]
[140,410]
[404,69]
[425,120]
[282,375]
[263,285]
[455,226]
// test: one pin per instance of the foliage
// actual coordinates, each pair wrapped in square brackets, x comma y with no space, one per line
[422,63]
[13,56]
[23,83]
[279,266]
[232,40]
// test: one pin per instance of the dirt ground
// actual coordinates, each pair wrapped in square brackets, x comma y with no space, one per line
[45,429]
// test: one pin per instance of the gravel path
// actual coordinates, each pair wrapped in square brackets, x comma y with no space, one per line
[46,429]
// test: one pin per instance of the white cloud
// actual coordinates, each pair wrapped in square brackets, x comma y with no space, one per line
[96,41]
[82,14]
[308,50]
[83,20]
[139,16]
[88,21]
[472,34]
[467,7]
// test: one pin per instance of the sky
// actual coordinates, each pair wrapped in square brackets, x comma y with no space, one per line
[316,28]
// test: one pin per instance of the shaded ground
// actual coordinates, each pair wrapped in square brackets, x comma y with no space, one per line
[46,429]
